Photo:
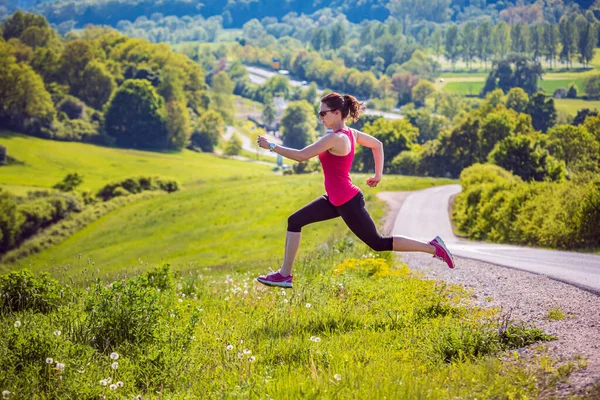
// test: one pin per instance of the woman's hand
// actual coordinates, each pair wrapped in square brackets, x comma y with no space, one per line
[262,142]
[374,180]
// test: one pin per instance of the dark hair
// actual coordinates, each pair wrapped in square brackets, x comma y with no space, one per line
[347,104]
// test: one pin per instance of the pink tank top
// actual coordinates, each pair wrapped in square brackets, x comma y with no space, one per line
[338,185]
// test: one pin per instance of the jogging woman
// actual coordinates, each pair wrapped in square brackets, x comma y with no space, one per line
[343,199]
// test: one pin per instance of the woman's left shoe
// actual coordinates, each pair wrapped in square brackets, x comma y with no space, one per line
[276,279]
[441,252]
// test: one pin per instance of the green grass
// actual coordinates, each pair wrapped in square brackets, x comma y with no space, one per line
[46,162]
[218,334]
[549,85]
[571,106]
[216,224]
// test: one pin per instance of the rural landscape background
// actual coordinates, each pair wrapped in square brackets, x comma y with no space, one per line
[136,209]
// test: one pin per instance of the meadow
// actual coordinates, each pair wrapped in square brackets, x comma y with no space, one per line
[157,299]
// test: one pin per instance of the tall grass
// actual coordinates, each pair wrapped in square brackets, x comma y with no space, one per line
[341,333]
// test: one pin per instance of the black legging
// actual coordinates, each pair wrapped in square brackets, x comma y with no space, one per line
[352,212]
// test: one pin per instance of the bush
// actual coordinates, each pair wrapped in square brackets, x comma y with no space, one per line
[122,312]
[69,183]
[72,107]
[22,290]
[572,92]
[560,93]
[136,185]
[3,155]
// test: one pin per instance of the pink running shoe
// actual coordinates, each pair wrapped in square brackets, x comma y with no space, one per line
[441,252]
[276,279]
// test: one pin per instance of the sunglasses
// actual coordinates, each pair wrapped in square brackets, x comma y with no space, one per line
[324,113]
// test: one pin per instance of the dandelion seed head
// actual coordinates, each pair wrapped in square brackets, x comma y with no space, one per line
[120,384]
[308,305]
[114,356]
[138,397]
[113,387]
[337,377]
[49,360]
[252,359]
[57,333]
[5,394]
[181,300]
[114,365]
[103,382]
[17,324]
[246,351]
[60,366]
[286,301]
[229,347]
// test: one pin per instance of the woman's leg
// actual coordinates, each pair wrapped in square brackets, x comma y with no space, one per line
[362,225]
[318,210]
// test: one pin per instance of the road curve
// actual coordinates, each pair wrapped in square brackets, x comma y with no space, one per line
[424,214]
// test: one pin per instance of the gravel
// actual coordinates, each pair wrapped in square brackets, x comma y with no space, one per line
[529,297]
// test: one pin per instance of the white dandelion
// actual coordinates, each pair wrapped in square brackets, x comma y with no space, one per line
[181,300]
[57,333]
[286,301]
[252,359]
[229,347]
[315,339]
[308,305]
[246,351]
[114,356]
[120,384]
[114,365]
[5,394]
[17,324]
[113,387]
[337,377]
[60,366]
[138,397]
[103,382]
[49,360]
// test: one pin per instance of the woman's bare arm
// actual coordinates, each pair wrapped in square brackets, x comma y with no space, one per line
[374,144]
[310,151]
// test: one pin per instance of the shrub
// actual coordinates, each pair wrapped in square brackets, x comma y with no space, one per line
[72,107]
[22,290]
[136,185]
[70,182]
[3,155]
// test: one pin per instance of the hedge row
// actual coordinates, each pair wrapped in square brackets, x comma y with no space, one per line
[498,206]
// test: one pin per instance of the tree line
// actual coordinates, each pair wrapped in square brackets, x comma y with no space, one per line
[100,86]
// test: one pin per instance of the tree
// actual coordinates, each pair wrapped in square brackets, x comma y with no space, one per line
[451,44]
[16,24]
[136,116]
[514,71]
[221,95]
[253,29]
[428,124]
[525,156]
[402,85]
[420,92]
[494,128]
[3,155]
[319,39]
[233,147]
[592,85]
[575,146]
[437,41]
[587,40]
[69,182]
[483,41]
[517,99]
[396,136]
[536,34]
[97,85]
[468,42]
[297,124]
[520,38]
[179,127]
[568,39]
[501,38]
[208,130]
[461,147]
[268,113]
[338,36]
[582,114]
[551,41]
[75,58]
[542,111]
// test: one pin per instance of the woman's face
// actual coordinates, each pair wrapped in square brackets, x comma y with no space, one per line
[328,116]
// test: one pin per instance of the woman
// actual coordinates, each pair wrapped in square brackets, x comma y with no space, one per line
[343,199]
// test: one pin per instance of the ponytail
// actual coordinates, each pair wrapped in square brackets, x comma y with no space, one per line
[347,104]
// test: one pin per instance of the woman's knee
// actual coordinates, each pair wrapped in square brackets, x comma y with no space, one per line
[294,223]
[381,244]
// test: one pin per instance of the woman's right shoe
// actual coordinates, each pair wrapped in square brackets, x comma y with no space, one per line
[441,252]
[276,279]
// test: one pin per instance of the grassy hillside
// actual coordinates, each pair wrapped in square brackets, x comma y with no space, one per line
[42,163]
[214,224]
